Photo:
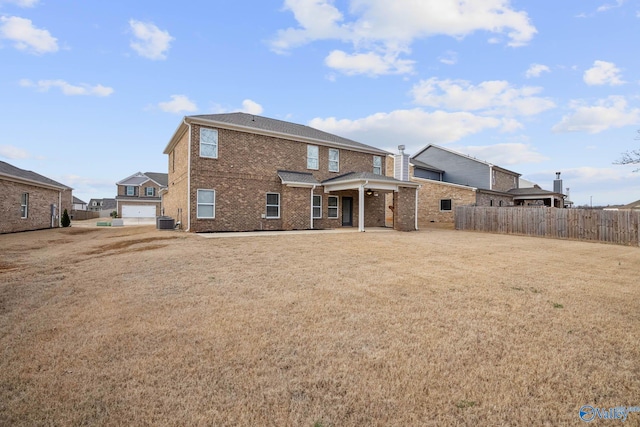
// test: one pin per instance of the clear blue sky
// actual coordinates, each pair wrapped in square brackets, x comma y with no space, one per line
[91,92]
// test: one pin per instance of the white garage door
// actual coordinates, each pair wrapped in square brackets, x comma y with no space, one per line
[133,211]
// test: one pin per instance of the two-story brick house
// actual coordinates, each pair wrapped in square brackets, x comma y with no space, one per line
[240,172]
[138,196]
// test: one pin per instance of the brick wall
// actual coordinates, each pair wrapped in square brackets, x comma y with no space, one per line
[39,208]
[404,209]
[491,199]
[245,170]
[504,181]
[430,195]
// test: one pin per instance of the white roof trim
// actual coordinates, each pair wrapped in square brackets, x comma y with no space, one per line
[450,184]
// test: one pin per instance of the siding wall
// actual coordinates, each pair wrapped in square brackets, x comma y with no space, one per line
[458,169]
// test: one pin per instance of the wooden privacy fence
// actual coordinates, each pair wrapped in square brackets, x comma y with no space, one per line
[620,227]
[80,215]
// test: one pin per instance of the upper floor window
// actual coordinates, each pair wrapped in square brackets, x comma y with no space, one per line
[24,205]
[317,207]
[377,165]
[209,143]
[334,160]
[206,204]
[312,157]
[149,191]
[130,190]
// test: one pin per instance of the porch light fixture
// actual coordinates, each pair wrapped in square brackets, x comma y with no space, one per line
[369,192]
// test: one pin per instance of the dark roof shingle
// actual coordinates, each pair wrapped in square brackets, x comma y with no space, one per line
[7,169]
[280,126]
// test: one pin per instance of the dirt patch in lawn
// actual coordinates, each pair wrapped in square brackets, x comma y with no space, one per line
[135,326]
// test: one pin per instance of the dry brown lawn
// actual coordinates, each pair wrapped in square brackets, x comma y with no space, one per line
[134,326]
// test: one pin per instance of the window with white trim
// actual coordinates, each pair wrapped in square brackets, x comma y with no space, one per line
[317,207]
[377,165]
[334,160]
[209,143]
[130,190]
[445,204]
[24,205]
[273,205]
[332,209]
[149,191]
[312,157]
[206,207]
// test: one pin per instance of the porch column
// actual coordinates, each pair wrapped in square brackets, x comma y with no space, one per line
[361,207]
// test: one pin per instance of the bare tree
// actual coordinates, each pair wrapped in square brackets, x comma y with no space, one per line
[631,157]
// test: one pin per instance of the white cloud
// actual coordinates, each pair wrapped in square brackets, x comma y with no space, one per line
[603,73]
[21,3]
[535,70]
[414,128]
[251,107]
[67,88]
[11,152]
[178,104]
[449,58]
[368,63]
[608,6]
[151,42]
[386,29]
[25,36]
[492,97]
[506,154]
[612,112]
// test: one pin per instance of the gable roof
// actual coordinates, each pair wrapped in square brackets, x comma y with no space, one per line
[250,123]
[77,201]
[139,178]
[423,165]
[30,177]
[297,178]
[462,155]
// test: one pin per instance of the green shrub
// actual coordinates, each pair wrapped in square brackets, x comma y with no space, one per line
[66,221]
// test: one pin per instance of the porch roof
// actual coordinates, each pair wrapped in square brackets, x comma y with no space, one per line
[298,179]
[355,180]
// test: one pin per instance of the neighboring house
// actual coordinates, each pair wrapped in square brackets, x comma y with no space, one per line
[449,179]
[78,205]
[240,172]
[105,206]
[30,201]
[139,196]
[631,206]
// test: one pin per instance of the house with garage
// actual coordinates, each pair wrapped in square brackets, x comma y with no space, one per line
[138,196]
[449,179]
[105,207]
[30,201]
[242,172]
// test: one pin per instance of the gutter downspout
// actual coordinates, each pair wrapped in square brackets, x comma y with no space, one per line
[59,207]
[361,206]
[188,175]
[312,188]
[416,214]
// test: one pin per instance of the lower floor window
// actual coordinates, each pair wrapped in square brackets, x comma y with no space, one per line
[445,204]
[273,205]
[24,205]
[317,207]
[206,204]
[332,211]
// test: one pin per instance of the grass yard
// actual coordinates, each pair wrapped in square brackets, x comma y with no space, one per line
[134,326]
